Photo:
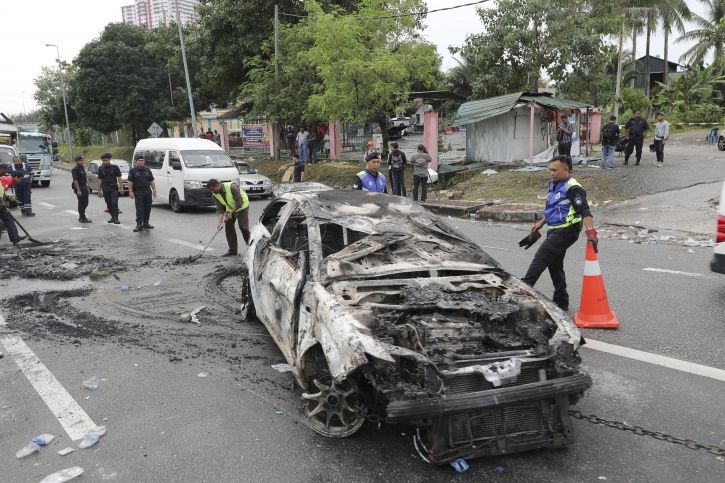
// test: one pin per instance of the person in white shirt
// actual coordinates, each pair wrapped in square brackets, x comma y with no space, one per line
[302,138]
[662,133]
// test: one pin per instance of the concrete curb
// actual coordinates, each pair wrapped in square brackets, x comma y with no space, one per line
[61,166]
[461,209]
[506,212]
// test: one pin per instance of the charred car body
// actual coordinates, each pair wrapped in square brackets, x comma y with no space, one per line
[386,313]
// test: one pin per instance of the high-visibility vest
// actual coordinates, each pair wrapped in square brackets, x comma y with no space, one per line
[559,212]
[227,200]
[372,183]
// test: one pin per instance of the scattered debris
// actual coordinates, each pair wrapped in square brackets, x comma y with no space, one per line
[191,316]
[63,475]
[203,374]
[124,287]
[490,172]
[282,367]
[65,451]
[43,439]
[278,411]
[27,450]
[602,477]
[69,266]
[460,465]
[92,437]
[155,284]
[499,469]
[690,250]
[91,383]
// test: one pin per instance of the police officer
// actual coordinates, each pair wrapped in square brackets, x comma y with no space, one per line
[232,204]
[110,185]
[7,219]
[371,179]
[80,188]
[565,213]
[636,128]
[142,188]
[23,187]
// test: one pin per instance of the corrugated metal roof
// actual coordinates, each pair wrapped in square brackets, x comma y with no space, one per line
[475,111]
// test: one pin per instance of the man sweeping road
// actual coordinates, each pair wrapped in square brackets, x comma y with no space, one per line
[565,213]
[232,206]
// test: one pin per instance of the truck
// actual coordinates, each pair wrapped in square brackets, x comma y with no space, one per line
[38,150]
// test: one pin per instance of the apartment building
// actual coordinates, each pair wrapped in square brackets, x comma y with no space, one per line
[155,13]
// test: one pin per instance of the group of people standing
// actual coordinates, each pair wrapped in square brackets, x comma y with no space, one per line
[370,179]
[308,143]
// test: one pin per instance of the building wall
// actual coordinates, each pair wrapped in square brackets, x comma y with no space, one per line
[505,138]
[155,13]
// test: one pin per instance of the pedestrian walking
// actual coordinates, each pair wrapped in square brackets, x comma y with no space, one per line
[6,220]
[397,163]
[80,188]
[291,140]
[636,128]
[299,173]
[301,142]
[110,185]
[371,179]
[564,133]
[321,133]
[232,207]
[610,136]
[23,187]
[662,133]
[565,213]
[420,161]
[142,189]
[311,145]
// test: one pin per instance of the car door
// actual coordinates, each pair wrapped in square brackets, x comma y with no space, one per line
[92,176]
[284,263]
[175,177]
[155,160]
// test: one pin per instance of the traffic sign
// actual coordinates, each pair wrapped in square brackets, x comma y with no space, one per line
[155,130]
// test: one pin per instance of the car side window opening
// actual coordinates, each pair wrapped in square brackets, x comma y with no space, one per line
[270,217]
[173,158]
[293,238]
[334,238]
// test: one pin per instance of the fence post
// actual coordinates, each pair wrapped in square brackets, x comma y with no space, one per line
[430,136]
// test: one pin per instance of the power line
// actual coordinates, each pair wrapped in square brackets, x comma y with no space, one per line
[416,14]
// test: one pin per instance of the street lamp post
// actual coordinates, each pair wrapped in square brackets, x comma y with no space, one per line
[65,104]
[186,71]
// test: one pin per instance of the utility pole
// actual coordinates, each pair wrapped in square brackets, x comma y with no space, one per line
[65,104]
[186,71]
[277,140]
[171,91]
[618,87]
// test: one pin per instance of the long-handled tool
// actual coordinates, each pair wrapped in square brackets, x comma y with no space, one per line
[196,257]
[30,238]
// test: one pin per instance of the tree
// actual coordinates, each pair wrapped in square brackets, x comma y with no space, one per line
[697,91]
[709,37]
[49,96]
[672,14]
[120,82]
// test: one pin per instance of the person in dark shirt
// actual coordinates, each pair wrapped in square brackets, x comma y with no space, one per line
[110,185]
[565,213]
[396,165]
[80,188]
[142,189]
[299,173]
[636,128]
[23,187]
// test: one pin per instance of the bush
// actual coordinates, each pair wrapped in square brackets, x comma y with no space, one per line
[635,100]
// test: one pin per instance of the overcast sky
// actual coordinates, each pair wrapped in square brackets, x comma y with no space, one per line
[27,27]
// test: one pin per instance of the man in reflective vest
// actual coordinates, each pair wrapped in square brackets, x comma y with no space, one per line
[371,179]
[566,211]
[232,205]
[7,219]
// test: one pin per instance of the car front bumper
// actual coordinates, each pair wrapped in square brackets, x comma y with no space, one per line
[258,190]
[197,197]
[494,421]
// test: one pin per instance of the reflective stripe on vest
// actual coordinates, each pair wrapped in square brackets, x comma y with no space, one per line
[229,203]
[559,212]
[372,183]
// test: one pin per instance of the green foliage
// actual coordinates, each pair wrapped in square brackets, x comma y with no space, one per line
[709,34]
[49,96]
[635,100]
[694,96]
[82,136]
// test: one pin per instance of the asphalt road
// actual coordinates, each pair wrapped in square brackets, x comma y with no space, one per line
[241,421]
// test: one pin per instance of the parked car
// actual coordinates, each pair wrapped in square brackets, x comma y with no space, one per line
[92,173]
[235,139]
[252,182]
[386,313]
[718,259]
[7,153]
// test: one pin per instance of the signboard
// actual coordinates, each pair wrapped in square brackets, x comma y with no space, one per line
[255,138]
[155,130]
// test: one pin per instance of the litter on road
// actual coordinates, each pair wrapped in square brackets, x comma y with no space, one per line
[460,465]
[282,367]
[63,475]
[91,383]
[65,451]
[27,450]
[92,437]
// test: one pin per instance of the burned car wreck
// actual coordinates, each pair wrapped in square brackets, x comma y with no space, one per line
[386,313]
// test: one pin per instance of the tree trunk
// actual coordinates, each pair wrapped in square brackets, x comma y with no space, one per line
[634,55]
[648,68]
[666,80]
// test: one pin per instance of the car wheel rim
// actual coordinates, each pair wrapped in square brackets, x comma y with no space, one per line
[335,410]
[721,144]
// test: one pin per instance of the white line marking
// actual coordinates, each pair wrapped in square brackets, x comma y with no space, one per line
[675,272]
[125,227]
[188,244]
[47,205]
[497,248]
[70,415]
[77,228]
[72,212]
[664,361]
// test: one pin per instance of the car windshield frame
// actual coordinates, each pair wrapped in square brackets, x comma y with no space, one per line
[33,144]
[9,151]
[206,158]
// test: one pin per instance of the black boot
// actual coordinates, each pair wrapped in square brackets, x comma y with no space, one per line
[19,239]
[138,228]
[147,226]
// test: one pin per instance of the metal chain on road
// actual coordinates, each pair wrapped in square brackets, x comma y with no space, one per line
[716,450]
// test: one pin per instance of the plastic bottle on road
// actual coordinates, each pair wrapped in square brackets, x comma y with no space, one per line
[91,383]
[63,475]
[43,439]
[92,437]
[27,450]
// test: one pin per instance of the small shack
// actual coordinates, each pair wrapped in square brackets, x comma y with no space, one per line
[518,126]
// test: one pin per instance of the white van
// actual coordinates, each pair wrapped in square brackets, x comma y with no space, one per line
[718,259]
[181,168]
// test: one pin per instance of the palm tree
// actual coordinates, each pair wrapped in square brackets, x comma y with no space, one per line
[709,37]
[672,14]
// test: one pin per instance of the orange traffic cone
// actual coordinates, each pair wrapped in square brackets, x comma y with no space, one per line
[594,311]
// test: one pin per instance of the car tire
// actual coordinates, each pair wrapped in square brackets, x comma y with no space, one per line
[45,184]
[721,143]
[175,202]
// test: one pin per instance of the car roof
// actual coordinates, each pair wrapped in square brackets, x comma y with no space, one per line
[178,143]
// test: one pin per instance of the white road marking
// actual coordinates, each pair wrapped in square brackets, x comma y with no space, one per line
[675,272]
[188,244]
[47,205]
[664,361]
[498,248]
[125,227]
[72,212]
[77,228]
[70,415]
